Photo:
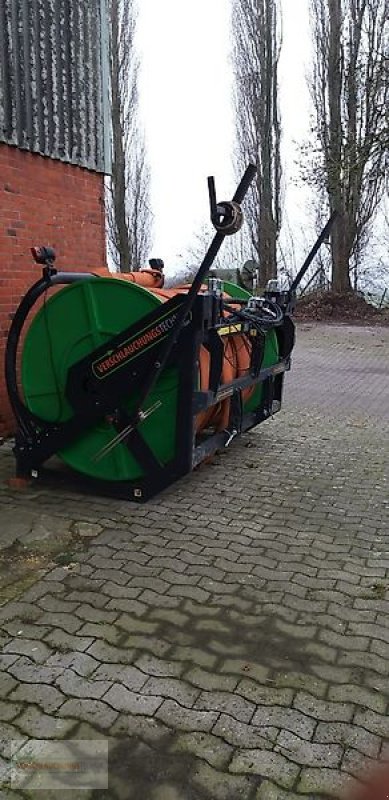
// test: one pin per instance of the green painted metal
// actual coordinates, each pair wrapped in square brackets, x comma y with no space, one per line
[236,291]
[70,325]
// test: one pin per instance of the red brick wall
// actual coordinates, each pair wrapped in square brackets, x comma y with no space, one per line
[43,202]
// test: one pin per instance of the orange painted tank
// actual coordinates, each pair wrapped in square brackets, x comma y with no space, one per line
[236,363]
[148,278]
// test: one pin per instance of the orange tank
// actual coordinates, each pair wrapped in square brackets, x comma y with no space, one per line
[236,363]
[148,278]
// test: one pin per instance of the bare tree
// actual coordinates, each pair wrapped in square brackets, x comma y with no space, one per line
[230,255]
[350,88]
[128,211]
[256,50]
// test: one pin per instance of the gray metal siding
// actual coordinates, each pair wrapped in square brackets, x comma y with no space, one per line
[53,79]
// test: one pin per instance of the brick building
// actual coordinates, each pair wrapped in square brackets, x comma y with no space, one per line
[54,144]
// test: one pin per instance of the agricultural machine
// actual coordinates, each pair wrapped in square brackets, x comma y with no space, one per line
[133,385]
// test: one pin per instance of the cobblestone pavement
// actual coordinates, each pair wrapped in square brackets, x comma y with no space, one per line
[231,638]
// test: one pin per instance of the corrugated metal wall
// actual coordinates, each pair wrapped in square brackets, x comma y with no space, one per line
[53,79]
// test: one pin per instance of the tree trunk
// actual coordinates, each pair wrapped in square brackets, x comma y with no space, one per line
[257,45]
[350,92]
[340,252]
[118,156]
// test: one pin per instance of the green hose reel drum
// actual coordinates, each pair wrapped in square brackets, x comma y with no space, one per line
[70,325]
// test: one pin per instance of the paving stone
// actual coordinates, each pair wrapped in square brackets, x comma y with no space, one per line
[8,710]
[92,630]
[173,688]
[194,655]
[239,734]
[148,729]
[327,782]
[264,695]
[226,602]
[8,733]
[152,599]
[330,674]
[299,680]
[99,615]
[87,732]
[212,625]
[149,582]
[81,663]
[270,791]
[377,683]
[365,660]
[115,590]
[57,604]
[266,764]
[131,625]
[111,575]
[27,671]
[288,718]
[158,667]
[344,642]
[35,650]
[205,746]
[64,642]
[36,724]
[359,696]
[26,630]
[381,648]
[358,765]
[211,681]
[130,677]
[57,575]
[348,735]
[223,645]
[7,683]
[94,711]
[159,647]
[245,668]
[87,530]
[54,619]
[323,709]
[170,616]
[307,753]
[321,651]
[194,592]
[104,652]
[219,785]
[375,723]
[124,700]
[127,606]
[73,685]
[47,697]
[229,703]
[185,719]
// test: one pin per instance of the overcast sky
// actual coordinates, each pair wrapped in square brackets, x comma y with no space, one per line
[186,89]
